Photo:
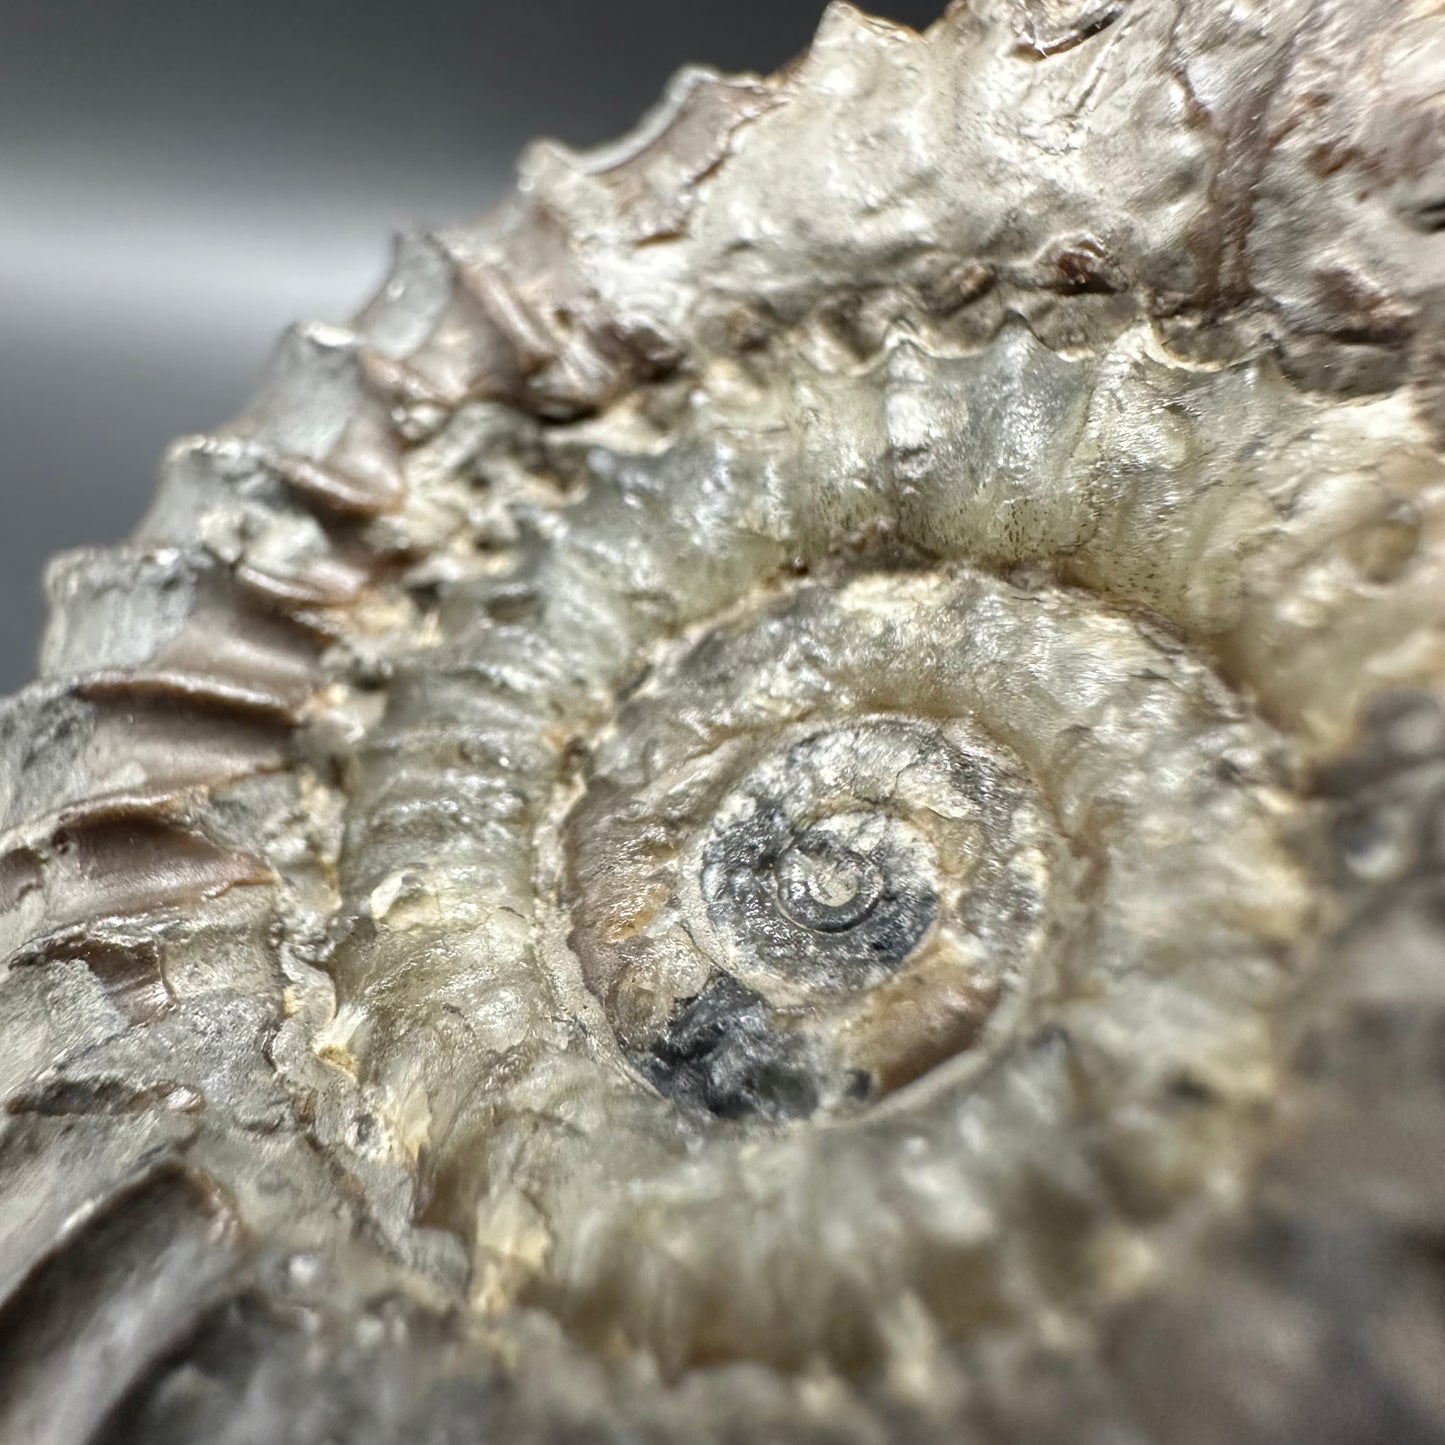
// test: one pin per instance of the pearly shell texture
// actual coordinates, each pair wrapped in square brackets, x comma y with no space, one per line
[797,792]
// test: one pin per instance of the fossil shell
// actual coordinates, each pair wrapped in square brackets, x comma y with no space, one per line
[794,793]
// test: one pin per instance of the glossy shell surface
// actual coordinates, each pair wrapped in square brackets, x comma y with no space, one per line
[796,792]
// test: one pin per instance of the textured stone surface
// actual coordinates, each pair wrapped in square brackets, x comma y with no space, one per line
[795,793]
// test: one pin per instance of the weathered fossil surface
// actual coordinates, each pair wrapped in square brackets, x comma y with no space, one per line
[794,793]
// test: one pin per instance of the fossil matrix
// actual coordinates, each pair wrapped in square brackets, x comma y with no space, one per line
[794,793]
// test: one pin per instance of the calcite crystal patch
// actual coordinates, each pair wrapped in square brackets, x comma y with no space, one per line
[796,792]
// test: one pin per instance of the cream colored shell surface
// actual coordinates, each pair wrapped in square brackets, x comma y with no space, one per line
[794,793]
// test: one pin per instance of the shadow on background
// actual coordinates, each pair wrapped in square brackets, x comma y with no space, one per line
[181,180]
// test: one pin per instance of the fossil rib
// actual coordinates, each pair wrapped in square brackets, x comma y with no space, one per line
[794,793]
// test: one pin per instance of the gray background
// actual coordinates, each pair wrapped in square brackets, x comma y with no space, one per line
[179,179]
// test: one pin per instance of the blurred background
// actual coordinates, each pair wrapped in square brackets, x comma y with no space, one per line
[180,179]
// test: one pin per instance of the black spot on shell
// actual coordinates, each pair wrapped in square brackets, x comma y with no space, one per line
[720,1054]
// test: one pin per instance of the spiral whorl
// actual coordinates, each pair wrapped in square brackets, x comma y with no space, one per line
[792,793]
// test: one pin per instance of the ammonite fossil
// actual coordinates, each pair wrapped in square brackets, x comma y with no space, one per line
[796,793]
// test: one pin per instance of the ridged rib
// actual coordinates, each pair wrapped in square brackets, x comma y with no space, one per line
[107,1303]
